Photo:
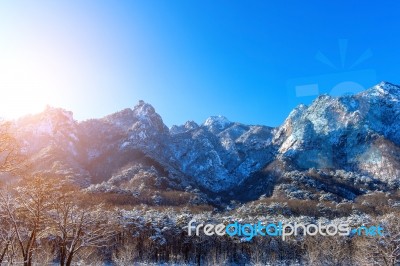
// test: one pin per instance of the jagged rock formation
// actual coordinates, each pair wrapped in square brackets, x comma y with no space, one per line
[336,147]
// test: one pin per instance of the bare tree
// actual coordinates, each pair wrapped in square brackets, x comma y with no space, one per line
[9,160]
[381,250]
[77,227]
[126,254]
[9,149]
[328,250]
[7,234]
[25,211]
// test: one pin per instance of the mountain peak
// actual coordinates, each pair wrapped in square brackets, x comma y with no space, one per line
[383,89]
[386,83]
[148,121]
[189,125]
[217,123]
[58,111]
[122,119]
[143,109]
[389,87]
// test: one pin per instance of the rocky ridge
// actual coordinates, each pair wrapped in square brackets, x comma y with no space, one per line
[338,147]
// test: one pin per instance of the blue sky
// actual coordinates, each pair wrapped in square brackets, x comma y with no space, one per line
[251,61]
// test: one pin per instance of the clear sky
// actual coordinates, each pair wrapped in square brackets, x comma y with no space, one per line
[251,61]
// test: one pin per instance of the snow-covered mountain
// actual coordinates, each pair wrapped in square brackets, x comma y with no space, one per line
[336,147]
[355,133]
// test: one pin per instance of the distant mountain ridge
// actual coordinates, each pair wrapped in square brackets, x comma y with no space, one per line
[336,147]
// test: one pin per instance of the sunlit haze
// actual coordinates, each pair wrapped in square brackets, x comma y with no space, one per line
[190,60]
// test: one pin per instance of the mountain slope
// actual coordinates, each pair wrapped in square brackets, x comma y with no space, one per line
[356,133]
[335,148]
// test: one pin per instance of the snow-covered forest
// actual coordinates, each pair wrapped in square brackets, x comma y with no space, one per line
[45,222]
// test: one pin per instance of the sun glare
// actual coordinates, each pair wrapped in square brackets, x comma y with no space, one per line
[26,84]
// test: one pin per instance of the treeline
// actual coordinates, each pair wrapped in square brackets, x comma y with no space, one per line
[45,221]
[161,236]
